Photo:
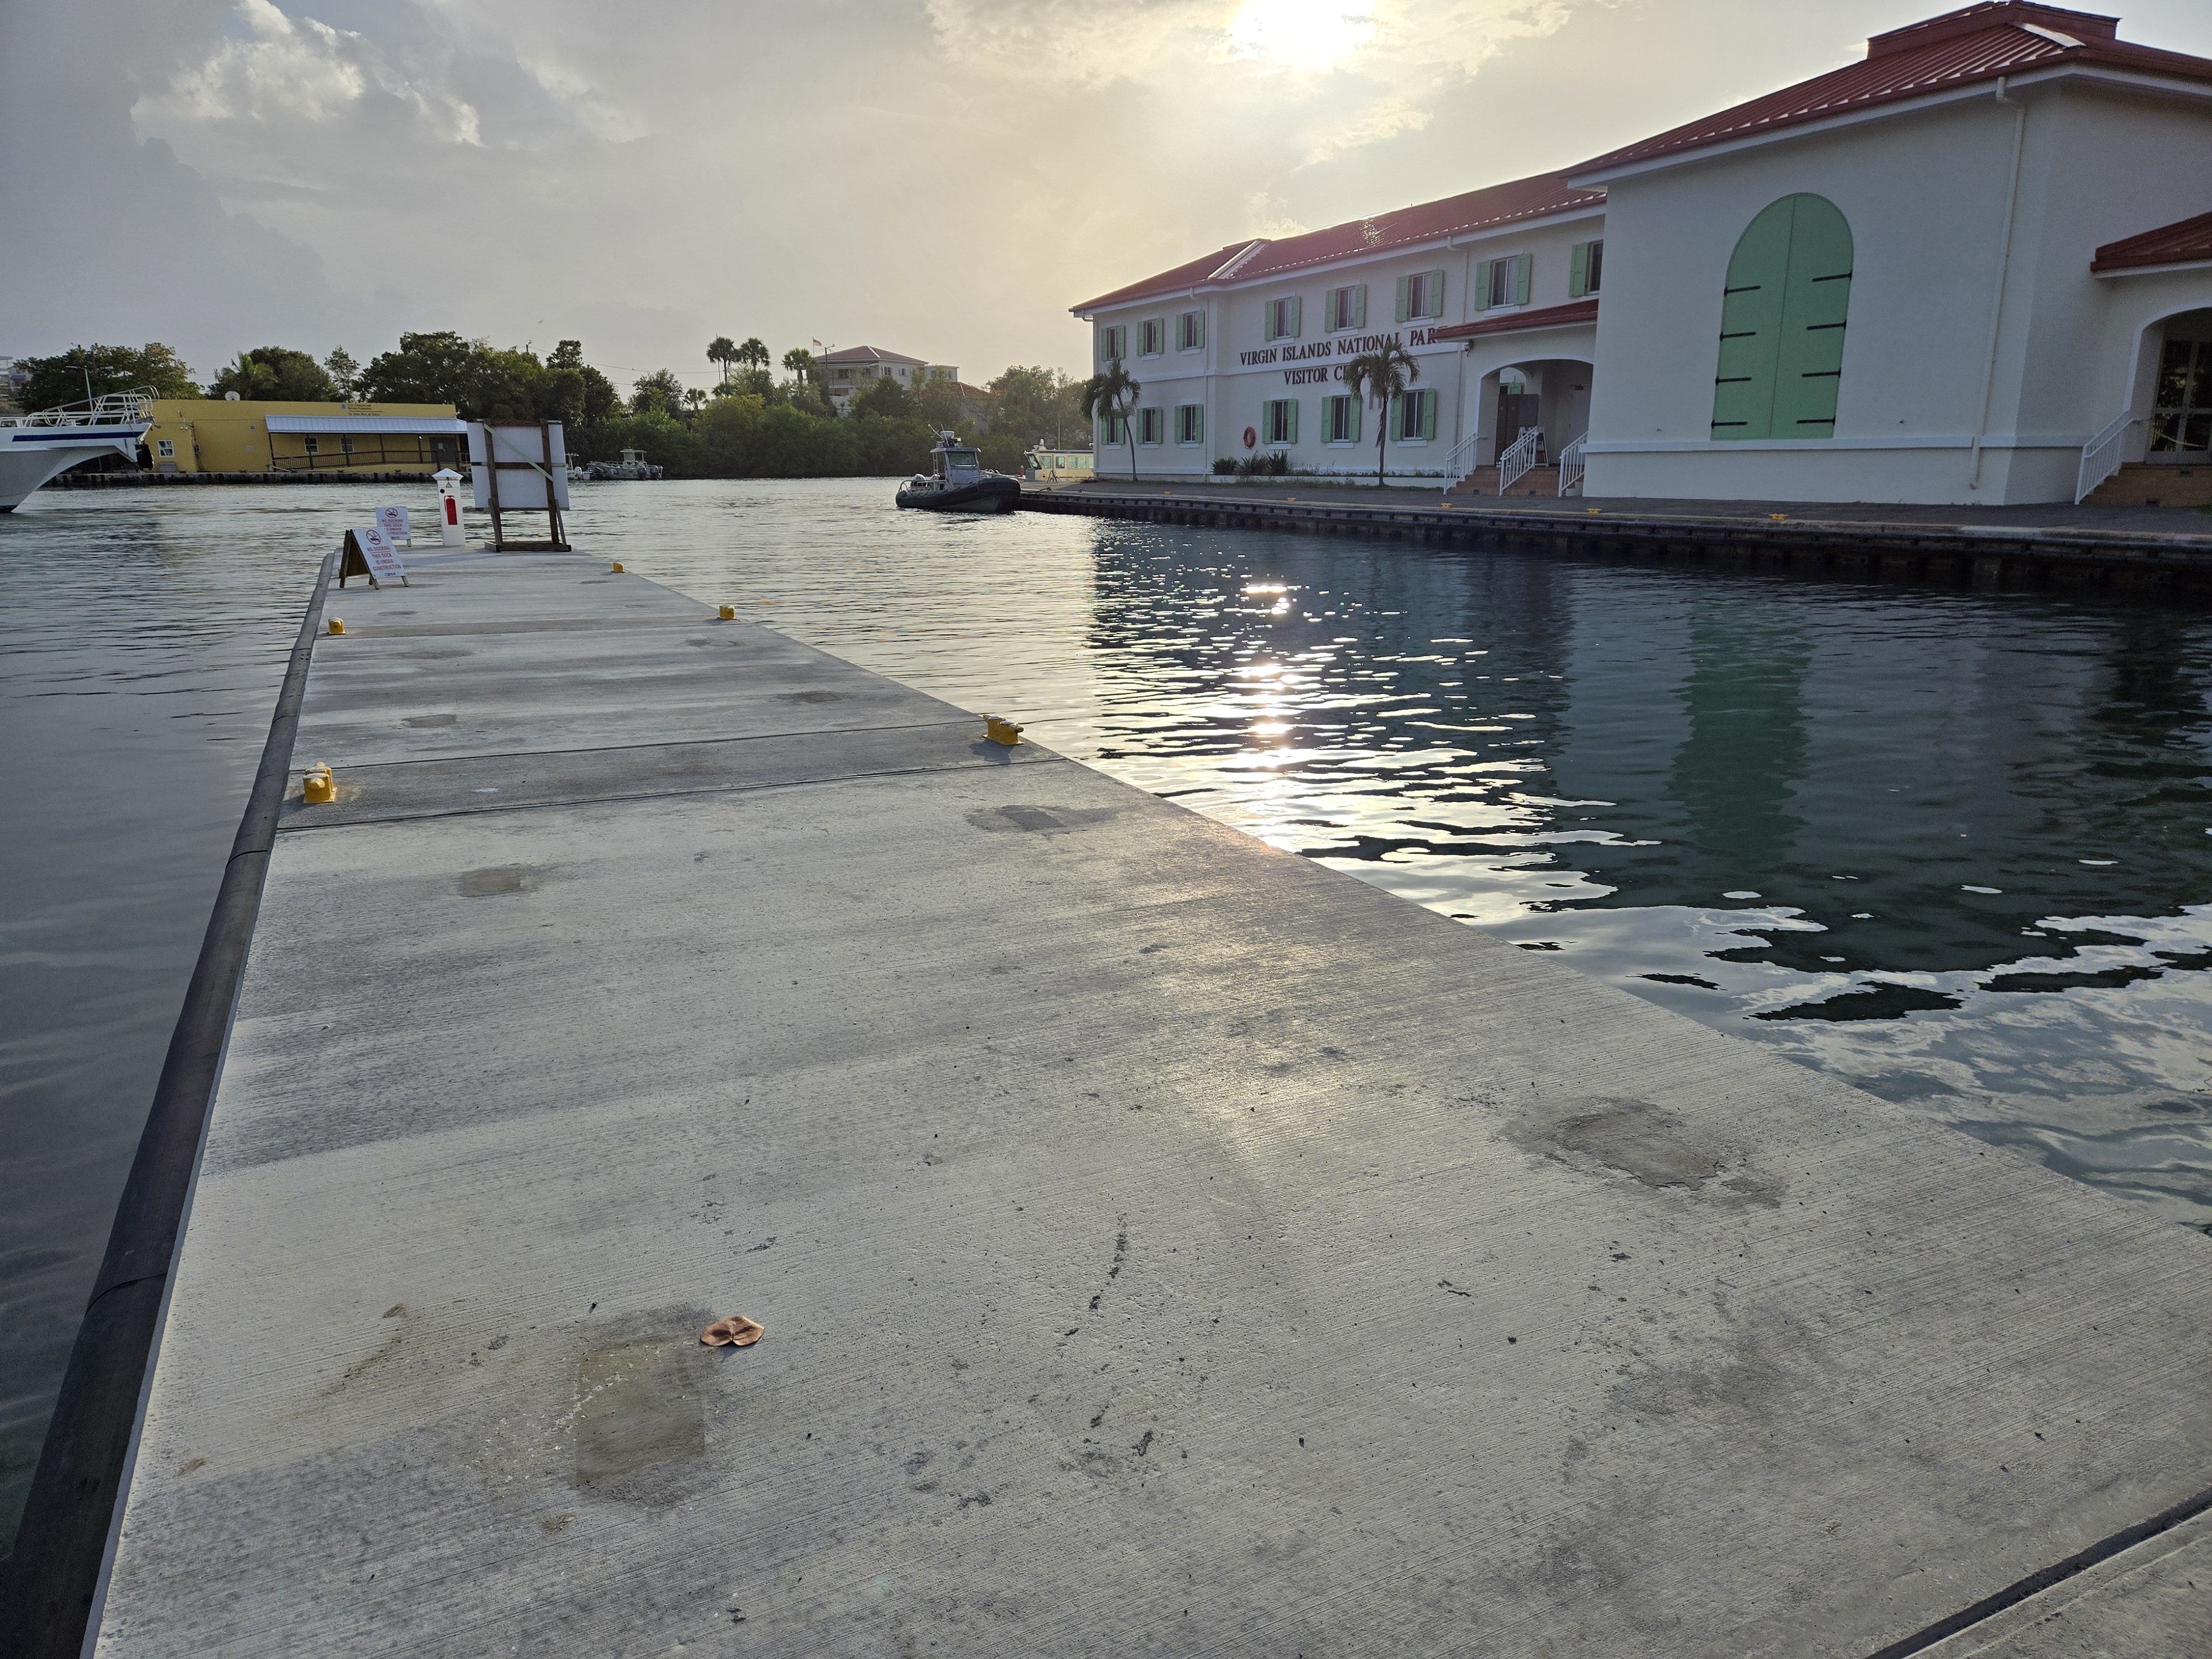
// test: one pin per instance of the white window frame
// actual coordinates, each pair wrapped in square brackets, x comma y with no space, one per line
[1287,323]
[1152,426]
[1190,424]
[1332,304]
[1113,343]
[1411,393]
[1146,338]
[1187,324]
[1270,410]
[165,449]
[1113,429]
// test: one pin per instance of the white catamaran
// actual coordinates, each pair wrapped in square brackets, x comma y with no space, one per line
[33,447]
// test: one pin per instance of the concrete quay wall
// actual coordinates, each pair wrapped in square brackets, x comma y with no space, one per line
[1165,1244]
[1814,538]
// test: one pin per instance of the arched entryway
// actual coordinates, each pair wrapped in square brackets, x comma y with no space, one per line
[2165,452]
[1546,395]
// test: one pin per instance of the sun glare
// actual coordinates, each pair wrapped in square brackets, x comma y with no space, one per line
[1314,36]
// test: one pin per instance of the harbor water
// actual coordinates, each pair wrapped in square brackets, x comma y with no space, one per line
[1954,846]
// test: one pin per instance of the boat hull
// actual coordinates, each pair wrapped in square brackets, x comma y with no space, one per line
[31,455]
[992,494]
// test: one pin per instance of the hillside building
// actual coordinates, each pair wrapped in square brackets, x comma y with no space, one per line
[1975,267]
[851,370]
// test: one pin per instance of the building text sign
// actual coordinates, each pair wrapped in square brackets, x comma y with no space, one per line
[1350,346]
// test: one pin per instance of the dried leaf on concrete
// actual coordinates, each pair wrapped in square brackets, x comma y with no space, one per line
[735,1331]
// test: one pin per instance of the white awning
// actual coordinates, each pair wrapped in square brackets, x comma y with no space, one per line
[418,425]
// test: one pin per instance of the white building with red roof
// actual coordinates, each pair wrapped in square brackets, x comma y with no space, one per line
[1975,267]
[851,370]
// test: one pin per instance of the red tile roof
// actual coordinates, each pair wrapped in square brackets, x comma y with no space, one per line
[1407,226]
[1520,322]
[2186,241]
[1978,43]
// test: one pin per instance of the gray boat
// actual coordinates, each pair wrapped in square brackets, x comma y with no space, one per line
[957,482]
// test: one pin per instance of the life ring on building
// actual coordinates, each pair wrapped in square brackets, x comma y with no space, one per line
[1251,437]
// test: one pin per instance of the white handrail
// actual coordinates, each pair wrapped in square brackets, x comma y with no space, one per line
[116,409]
[2100,457]
[1519,458]
[1570,464]
[1461,461]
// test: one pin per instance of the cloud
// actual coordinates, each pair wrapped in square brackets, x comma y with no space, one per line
[276,67]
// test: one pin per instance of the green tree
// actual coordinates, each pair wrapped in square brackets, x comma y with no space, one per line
[722,351]
[344,373]
[887,398]
[276,374]
[752,354]
[1034,404]
[799,363]
[659,393]
[1112,396]
[1383,378]
[694,398]
[429,368]
[61,379]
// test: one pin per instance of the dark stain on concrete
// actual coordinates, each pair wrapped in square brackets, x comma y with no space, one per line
[1040,820]
[638,1404]
[1651,1146]
[497,880]
[810,697]
[431,720]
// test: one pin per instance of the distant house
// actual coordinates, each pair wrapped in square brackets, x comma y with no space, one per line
[851,370]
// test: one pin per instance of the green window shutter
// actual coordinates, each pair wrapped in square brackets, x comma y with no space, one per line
[1297,315]
[1292,411]
[1428,415]
[1396,416]
[1198,329]
[1482,284]
[1436,294]
[1359,307]
[1267,321]
[1578,270]
[1198,423]
[1808,367]
[1521,268]
[1351,411]
[1405,296]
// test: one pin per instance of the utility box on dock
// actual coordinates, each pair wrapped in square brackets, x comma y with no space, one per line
[449,505]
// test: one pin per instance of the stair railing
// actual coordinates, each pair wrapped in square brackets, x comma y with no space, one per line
[1461,461]
[1520,458]
[2100,457]
[1570,464]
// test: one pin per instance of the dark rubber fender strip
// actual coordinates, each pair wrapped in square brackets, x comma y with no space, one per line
[61,1545]
[2057,1573]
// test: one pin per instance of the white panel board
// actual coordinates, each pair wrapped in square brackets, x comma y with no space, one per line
[521,488]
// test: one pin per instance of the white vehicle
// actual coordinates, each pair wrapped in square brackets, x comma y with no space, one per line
[33,447]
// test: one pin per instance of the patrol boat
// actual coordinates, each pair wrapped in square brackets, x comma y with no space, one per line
[33,447]
[957,482]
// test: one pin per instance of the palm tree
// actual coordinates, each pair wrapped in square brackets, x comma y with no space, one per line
[1114,395]
[752,354]
[722,351]
[798,362]
[694,397]
[1383,377]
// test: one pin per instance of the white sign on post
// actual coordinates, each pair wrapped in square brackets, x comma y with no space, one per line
[381,556]
[392,521]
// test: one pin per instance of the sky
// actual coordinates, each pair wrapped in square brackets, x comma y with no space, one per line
[943,177]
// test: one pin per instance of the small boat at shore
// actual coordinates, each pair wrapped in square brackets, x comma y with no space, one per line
[33,447]
[632,468]
[957,482]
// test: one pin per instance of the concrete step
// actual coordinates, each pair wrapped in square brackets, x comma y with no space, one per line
[1483,481]
[2141,483]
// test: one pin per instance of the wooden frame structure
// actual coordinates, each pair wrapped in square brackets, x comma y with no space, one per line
[497,433]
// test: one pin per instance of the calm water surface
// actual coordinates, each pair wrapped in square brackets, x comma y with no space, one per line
[1955,847]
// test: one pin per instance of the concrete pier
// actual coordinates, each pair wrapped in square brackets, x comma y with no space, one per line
[1165,1244]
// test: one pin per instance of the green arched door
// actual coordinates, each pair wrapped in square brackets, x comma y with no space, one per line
[1782,323]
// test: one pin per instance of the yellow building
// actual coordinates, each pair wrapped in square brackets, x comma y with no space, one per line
[221,434]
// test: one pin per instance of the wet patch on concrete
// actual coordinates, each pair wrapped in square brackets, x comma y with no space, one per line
[497,880]
[1648,1143]
[810,696]
[1039,820]
[431,720]
[639,1404]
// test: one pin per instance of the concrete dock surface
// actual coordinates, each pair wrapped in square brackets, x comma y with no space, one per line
[1165,1244]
